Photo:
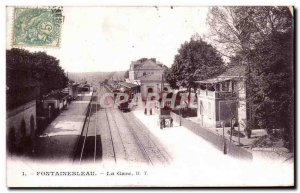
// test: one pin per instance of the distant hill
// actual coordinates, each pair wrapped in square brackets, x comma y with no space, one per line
[96,77]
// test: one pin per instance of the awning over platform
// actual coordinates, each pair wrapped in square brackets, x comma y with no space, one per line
[214,80]
[128,85]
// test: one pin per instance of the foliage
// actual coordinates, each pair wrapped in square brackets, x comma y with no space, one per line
[261,38]
[239,29]
[40,67]
[271,87]
[126,74]
[171,78]
[196,60]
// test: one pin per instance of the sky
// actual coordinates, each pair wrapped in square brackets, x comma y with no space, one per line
[109,38]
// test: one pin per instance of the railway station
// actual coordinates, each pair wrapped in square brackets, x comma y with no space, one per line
[164,96]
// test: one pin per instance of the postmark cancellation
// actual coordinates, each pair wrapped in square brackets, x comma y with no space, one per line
[37,27]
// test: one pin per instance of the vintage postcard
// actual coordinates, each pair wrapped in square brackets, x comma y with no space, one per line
[150,96]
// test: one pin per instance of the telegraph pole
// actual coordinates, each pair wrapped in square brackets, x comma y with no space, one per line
[162,83]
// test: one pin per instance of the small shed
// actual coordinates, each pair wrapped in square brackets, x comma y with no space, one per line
[84,88]
[56,100]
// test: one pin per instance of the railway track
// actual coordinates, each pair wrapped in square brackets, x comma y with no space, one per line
[135,143]
[88,148]
[151,151]
[129,140]
[111,138]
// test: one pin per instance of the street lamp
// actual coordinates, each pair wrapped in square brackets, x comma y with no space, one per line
[231,127]
[239,131]
[224,140]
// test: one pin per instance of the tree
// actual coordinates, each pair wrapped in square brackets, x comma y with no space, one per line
[126,74]
[38,66]
[271,86]
[196,60]
[170,77]
[238,29]
[260,38]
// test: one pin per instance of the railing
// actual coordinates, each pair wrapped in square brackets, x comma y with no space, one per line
[217,94]
[202,92]
[210,93]
[214,138]
[225,94]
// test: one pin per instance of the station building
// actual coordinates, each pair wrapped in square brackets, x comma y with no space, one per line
[148,74]
[222,98]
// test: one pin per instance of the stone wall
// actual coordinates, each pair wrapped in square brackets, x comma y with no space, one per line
[21,124]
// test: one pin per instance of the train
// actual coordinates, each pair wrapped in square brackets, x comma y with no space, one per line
[123,106]
[126,88]
[132,89]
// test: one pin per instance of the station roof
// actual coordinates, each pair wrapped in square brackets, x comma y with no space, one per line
[56,95]
[146,64]
[84,85]
[128,85]
[214,80]
[235,71]
[230,73]
[74,84]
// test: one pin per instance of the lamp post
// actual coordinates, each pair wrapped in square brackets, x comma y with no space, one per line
[239,131]
[231,127]
[49,113]
[180,113]
[224,140]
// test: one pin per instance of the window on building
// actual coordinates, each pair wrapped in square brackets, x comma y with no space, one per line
[225,86]
[209,110]
[217,87]
[150,90]
[201,107]
[144,73]
[233,86]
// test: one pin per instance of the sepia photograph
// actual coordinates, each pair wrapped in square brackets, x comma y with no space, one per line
[150,96]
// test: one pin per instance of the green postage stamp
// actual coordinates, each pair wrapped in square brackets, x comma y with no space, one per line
[37,27]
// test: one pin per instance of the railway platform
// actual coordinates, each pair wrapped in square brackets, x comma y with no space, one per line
[58,140]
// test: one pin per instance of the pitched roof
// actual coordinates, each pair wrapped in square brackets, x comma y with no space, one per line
[56,95]
[235,71]
[155,77]
[230,73]
[84,85]
[74,84]
[146,64]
